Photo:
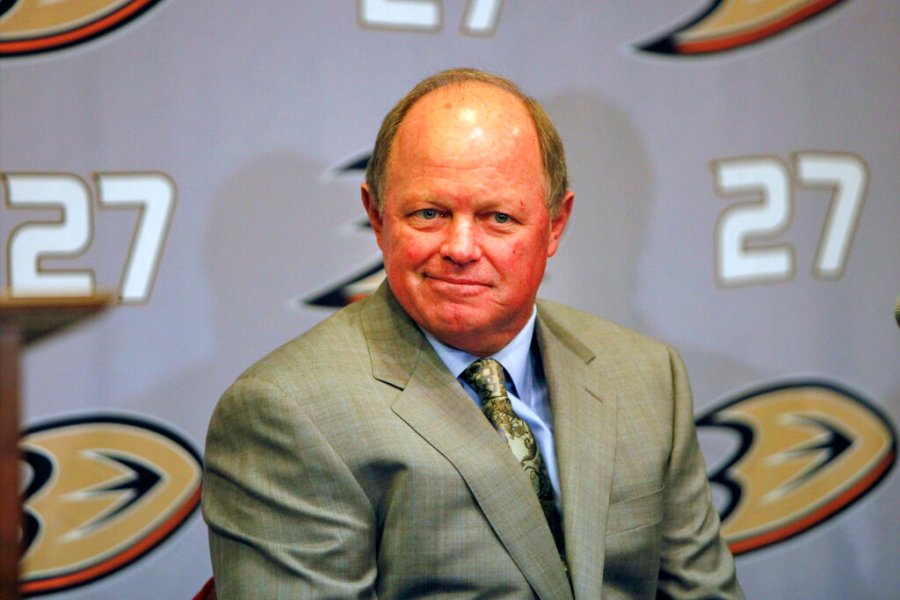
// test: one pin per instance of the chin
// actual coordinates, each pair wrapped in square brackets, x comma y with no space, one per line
[460,334]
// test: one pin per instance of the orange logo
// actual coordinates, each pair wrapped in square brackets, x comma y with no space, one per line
[32,26]
[101,492]
[731,24]
[806,452]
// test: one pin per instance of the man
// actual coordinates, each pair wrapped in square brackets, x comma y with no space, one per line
[356,461]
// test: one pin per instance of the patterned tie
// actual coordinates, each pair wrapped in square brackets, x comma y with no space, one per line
[486,377]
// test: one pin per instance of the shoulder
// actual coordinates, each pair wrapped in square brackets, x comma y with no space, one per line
[301,379]
[645,374]
[596,333]
[333,344]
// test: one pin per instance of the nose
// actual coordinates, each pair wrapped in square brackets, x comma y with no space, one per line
[461,243]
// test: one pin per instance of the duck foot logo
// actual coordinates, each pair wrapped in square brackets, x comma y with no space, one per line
[732,24]
[101,492]
[806,451]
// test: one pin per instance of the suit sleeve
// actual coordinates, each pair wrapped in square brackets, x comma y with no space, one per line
[695,562]
[286,516]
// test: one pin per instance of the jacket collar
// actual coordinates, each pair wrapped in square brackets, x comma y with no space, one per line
[584,418]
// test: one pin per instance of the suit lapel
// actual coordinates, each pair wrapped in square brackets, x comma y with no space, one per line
[584,418]
[432,402]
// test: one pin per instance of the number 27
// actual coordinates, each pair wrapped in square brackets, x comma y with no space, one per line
[480,18]
[770,179]
[152,194]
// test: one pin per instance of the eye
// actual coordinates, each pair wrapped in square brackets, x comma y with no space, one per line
[502,217]
[427,213]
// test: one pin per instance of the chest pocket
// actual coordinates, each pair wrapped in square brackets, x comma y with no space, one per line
[633,544]
[635,513]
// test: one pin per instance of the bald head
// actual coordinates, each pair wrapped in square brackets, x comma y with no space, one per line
[502,95]
[463,126]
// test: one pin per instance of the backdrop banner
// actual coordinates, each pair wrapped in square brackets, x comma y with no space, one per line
[735,167]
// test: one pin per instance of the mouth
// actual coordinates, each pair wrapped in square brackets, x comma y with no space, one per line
[458,285]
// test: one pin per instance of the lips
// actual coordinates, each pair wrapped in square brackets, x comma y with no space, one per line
[456,280]
[456,285]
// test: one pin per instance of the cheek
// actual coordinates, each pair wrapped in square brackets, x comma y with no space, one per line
[414,250]
[410,251]
[524,261]
[514,263]
[523,252]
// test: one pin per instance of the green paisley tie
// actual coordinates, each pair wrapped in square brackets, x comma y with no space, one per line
[487,379]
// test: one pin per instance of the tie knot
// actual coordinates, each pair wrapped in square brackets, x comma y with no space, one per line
[486,377]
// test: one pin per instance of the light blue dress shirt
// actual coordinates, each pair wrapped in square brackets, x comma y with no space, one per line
[525,385]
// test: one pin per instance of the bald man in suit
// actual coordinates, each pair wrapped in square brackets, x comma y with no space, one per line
[357,460]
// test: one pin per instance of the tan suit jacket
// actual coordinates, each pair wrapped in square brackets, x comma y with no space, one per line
[350,463]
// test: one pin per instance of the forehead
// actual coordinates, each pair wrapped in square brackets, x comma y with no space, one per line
[469,121]
[465,98]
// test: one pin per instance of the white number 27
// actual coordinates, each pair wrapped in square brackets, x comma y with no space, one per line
[151,194]
[480,18]
[768,178]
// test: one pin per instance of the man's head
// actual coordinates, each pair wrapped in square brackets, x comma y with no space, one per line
[461,214]
[552,154]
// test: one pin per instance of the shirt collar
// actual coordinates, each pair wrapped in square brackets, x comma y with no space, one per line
[515,357]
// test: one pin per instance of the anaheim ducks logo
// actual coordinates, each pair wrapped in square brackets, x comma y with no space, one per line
[365,281]
[807,451]
[731,24]
[30,26]
[101,492]
[349,290]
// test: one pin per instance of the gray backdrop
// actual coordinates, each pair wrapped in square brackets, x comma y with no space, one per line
[710,188]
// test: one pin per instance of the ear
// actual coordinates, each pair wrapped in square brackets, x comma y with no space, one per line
[375,218]
[558,224]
